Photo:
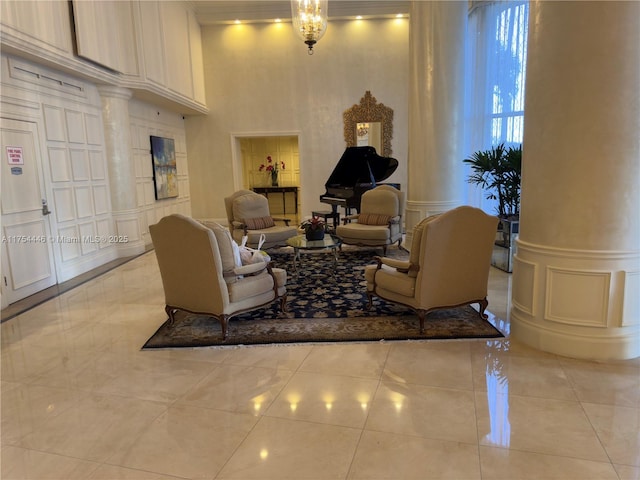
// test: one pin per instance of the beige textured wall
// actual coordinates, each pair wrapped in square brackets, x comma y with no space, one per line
[260,80]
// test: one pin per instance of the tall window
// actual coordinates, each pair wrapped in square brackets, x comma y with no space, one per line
[495,78]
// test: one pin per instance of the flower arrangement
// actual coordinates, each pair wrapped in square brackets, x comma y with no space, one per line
[313,228]
[271,166]
[315,223]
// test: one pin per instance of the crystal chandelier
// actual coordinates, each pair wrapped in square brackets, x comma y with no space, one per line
[309,20]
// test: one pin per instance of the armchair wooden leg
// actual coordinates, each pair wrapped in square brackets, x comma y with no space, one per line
[283,303]
[370,300]
[484,303]
[421,316]
[224,325]
[171,312]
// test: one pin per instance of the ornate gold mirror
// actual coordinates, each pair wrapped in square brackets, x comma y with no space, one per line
[369,123]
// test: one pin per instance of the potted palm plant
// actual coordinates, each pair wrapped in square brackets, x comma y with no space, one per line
[498,172]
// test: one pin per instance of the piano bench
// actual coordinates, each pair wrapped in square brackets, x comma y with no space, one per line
[328,214]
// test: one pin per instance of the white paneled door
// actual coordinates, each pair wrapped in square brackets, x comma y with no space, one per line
[27,258]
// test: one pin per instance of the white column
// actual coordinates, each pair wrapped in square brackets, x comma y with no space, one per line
[436,109]
[122,175]
[576,279]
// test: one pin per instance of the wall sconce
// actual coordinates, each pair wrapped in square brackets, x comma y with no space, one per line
[310,20]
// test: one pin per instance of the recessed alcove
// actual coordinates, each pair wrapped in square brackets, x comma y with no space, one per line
[253,150]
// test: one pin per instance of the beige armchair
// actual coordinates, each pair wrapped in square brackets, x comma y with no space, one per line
[200,273]
[248,214]
[379,222]
[448,264]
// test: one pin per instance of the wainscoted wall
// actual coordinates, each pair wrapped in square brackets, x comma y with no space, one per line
[148,120]
[582,303]
[67,112]
[73,168]
[259,78]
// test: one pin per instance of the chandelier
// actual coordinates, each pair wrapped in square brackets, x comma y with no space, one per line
[309,20]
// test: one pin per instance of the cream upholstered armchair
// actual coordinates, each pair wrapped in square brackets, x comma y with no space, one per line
[201,274]
[448,264]
[379,222]
[248,214]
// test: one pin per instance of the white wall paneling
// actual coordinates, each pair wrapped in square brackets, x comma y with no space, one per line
[45,25]
[101,199]
[75,126]
[573,301]
[79,164]
[631,301]
[84,201]
[175,30]
[577,297]
[68,243]
[59,164]
[63,202]
[97,21]
[523,292]
[31,258]
[54,123]
[148,120]
[152,42]
[88,231]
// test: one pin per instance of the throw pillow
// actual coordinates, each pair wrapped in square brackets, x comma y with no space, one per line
[229,250]
[259,223]
[373,219]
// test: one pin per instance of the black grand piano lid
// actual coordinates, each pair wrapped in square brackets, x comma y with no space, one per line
[361,165]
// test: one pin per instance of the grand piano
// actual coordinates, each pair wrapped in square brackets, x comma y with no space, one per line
[358,170]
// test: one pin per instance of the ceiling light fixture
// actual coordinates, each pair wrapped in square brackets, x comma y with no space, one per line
[309,20]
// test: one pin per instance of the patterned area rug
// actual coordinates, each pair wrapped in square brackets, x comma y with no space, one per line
[324,305]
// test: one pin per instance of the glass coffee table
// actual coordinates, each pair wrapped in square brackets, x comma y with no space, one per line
[329,244]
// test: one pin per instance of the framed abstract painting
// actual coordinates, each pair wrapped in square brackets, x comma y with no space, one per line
[165,172]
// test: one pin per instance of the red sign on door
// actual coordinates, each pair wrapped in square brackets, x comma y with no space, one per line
[14,156]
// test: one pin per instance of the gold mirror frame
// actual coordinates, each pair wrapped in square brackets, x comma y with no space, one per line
[369,110]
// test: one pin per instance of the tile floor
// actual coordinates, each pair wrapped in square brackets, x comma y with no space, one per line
[80,400]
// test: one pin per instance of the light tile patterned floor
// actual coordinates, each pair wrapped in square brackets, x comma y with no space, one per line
[80,400]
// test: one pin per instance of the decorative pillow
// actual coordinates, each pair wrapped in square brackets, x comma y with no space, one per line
[229,250]
[373,219]
[259,223]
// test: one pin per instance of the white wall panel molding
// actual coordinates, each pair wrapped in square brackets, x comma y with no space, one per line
[127,237]
[45,79]
[59,164]
[28,261]
[96,159]
[54,122]
[79,164]
[93,125]
[45,25]
[631,300]
[68,242]
[578,303]
[577,297]
[101,199]
[524,291]
[568,254]
[618,344]
[63,204]
[89,238]
[84,201]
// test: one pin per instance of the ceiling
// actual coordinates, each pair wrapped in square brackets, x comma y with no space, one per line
[211,12]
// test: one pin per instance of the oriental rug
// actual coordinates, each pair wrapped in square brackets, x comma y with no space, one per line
[324,305]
